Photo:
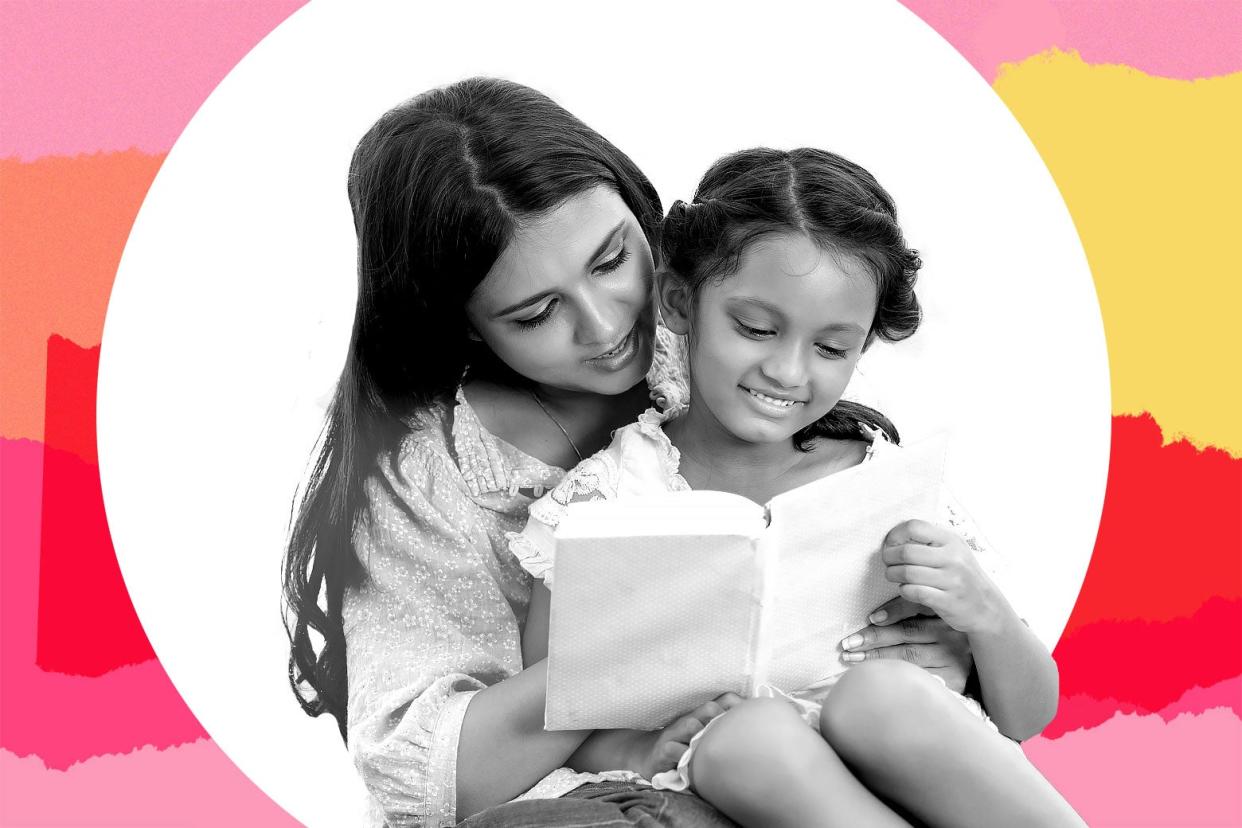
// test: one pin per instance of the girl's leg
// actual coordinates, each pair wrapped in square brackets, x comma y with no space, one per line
[909,740]
[760,764]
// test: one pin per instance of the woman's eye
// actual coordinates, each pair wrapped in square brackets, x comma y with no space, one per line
[538,319]
[615,262]
[829,352]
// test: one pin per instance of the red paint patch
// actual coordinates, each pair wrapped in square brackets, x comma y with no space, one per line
[1142,667]
[69,416]
[65,719]
[86,623]
[1170,532]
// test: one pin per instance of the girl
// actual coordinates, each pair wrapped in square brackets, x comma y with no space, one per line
[503,328]
[783,270]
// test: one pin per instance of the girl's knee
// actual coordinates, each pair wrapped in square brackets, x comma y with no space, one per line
[881,705]
[753,738]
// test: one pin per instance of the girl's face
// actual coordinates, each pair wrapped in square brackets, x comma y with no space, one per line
[773,346]
[568,302]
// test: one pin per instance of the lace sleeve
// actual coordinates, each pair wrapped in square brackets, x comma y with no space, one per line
[534,546]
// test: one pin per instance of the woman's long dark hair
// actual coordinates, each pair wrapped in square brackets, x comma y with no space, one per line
[832,200]
[438,187]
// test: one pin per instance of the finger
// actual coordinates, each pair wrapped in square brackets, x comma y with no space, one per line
[897,609]
[917,629]
[913,653]
[706,712]
[917,531]
[728,700]
[909,574]
[918,554]
[929,596]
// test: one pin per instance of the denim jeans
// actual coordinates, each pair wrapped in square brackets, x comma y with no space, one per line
[604,805]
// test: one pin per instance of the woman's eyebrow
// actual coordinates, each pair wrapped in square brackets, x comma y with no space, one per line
[599,251]
[607,242]
[524,303]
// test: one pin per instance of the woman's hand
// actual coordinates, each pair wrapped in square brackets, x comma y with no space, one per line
[903,629]
[661,749]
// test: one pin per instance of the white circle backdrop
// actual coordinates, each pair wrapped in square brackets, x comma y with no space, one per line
[230,314]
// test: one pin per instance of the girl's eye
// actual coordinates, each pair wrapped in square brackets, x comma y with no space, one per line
[615,262]
[539,318]
[751,332]
[829,352]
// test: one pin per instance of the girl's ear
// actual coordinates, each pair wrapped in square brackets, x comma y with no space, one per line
[675,301]
[472,334]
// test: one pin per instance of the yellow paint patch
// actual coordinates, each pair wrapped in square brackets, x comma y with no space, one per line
[1151,170]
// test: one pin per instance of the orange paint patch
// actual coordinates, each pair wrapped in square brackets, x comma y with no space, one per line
[65,224]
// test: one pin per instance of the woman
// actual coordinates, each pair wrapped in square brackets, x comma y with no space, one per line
[503,329]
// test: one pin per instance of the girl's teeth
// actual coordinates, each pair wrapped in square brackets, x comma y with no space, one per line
[772,400]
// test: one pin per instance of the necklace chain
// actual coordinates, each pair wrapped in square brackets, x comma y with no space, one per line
[534,395]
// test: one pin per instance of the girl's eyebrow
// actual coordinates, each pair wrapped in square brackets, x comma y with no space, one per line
[599,251]
[763,304]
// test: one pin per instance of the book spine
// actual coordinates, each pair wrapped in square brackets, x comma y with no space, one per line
[760,647]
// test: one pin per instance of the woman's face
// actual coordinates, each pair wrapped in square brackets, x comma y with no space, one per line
[568,302]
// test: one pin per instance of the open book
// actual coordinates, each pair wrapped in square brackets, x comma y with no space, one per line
[662,603]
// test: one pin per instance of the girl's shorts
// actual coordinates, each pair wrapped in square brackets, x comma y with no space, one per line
[809,704]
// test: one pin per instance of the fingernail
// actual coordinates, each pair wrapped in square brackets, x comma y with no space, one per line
[853,656]
[877,617]
[852,642]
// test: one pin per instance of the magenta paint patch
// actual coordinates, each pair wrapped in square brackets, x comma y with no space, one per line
[90,77]
[1183,40]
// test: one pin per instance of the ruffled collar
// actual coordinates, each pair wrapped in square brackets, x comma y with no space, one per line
[651,424]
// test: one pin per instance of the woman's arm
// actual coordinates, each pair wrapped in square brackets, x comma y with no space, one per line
[535,635]
[503,749]
[904,630]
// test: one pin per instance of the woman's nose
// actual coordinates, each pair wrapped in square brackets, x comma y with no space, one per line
[601,321]
[786,366]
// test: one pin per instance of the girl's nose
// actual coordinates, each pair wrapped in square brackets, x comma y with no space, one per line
[786,367]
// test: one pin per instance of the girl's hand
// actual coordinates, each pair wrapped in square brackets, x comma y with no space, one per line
[902,629]
[937,569]
[661,749]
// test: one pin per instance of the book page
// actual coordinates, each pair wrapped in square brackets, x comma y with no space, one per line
[823,553]
[644,629]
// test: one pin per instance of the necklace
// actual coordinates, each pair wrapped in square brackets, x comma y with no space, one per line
[556,423]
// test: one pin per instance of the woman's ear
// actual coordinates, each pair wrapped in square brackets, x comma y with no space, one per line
[472,334]
[675,301]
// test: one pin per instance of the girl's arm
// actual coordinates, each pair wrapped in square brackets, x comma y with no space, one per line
[1017,675]
[936,568]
